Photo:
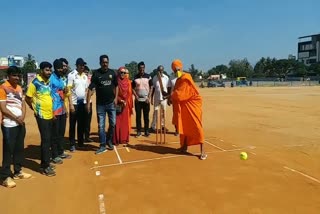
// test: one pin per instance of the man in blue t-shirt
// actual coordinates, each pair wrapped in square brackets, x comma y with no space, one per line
[58,92]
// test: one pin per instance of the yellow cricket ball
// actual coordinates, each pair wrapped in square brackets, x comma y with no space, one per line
[243,156]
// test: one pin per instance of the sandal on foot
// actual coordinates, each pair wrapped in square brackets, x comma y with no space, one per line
[203,156]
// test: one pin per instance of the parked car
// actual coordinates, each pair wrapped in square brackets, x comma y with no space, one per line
[215,83]
[241,81]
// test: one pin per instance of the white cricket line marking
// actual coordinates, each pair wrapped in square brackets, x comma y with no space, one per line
[301,173]
[221,140]
[253,153]
[234,145]
[211,138]
[102,207]
[214,145]
[159,158]
[128,150]
[115,149]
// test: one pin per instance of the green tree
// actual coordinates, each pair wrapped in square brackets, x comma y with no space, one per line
[260,68]
[133,68]
[193,71]
[219,69]
[240,68]
[314,68]
[283,67]
[28,67]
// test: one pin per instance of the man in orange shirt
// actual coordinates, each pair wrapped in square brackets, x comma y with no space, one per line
[187,104]
[13,128]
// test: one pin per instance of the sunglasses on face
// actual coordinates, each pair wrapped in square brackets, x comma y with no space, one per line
[123,72]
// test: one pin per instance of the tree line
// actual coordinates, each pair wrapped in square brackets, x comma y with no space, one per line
[264,68]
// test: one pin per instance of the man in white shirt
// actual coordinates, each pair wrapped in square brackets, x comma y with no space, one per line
[171,84]
[158,97]
[78,84]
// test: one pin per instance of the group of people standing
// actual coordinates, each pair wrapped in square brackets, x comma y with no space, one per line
[55,95]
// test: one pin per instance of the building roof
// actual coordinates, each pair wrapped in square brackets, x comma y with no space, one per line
[302,37]
[4,67]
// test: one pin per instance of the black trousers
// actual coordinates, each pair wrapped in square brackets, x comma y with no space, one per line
[78,118]
[58,130]
[88,123]
[46,130]
[145,107]
[13,145]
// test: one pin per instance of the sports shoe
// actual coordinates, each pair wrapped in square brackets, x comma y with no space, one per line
[88,140]
[101,150]
[57,160]
[9,182]
[65,156]
[53,167]
[48,172]
[138,134]
[147,134]
[72,148]
[22,175]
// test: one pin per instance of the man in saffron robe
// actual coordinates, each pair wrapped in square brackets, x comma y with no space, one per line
[123,118]
[187,104]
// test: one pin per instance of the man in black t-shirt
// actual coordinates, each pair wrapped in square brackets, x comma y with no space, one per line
[105,83]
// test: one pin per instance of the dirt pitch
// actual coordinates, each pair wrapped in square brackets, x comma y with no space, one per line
[277,127]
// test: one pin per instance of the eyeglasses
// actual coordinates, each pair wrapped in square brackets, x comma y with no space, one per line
[123,72]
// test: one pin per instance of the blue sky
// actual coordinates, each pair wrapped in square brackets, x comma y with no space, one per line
[205,33]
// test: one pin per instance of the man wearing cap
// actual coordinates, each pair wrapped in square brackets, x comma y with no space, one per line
[187,104]
[58,92]
[78,84]
[13,128]
[104,81]
[38,98]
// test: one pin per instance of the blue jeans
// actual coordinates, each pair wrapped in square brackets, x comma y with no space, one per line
[102,111]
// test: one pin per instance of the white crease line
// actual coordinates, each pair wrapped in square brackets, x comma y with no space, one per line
[159,158]
[214,145]
[116,150]
[253,153]
[234,145]
[102,207]
[301,173]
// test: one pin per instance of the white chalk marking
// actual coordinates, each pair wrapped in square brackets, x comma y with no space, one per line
[127,149]
[234,145]
[98,173]
[160,158]
[214,145]
[303,174]
[102,208]
[116,150]
[253,153]
[221,140]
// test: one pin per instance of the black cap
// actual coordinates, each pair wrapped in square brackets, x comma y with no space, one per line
[57,64]
[80,61]
[45,64]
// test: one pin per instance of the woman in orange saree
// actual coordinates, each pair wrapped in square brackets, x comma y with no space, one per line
[124,108]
